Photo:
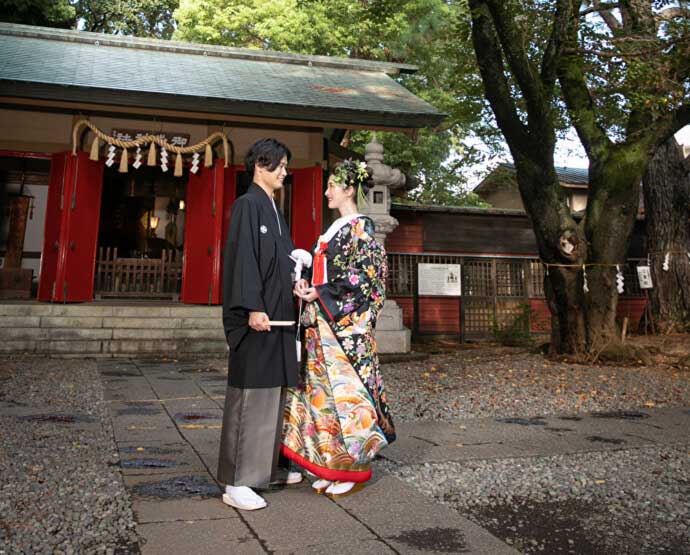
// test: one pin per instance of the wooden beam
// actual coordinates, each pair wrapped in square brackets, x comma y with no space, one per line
[101,109]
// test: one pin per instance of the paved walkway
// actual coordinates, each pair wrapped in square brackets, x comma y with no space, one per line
[167,419]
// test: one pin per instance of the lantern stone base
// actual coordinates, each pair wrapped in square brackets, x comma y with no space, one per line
[391,336]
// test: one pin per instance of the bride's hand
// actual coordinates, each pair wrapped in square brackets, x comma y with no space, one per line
[309,294]
[300,287]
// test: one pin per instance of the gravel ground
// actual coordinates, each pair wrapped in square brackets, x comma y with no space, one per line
[629,501]
[59,493]
[496,381]
[633,501]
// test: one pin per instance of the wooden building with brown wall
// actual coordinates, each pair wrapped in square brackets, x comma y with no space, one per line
[500,272]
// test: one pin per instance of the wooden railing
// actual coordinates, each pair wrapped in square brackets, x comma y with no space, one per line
[137,277]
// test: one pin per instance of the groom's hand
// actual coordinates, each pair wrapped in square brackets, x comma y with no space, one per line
[258,321]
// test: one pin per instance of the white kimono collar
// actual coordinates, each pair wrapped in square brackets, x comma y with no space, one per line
[336,226]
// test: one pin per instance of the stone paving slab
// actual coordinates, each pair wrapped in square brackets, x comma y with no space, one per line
[158,459]
[185,509]
[364,547]
[202,436]
[225,536]
[145,432]
[168,388]
[200,404]
[297,516]
[412,523]
[387,516]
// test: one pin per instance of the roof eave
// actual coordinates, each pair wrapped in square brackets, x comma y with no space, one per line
[219,106]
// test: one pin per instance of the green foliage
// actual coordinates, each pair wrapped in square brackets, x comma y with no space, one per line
[418,32]
[48,13]
[141,18]
[636,62]
[516,333]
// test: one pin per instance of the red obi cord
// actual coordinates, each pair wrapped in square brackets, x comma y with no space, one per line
[327,473]
[319,275]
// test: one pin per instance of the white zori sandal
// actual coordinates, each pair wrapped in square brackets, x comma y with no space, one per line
[244,498]
[342,489]
[293,478]
[321,485]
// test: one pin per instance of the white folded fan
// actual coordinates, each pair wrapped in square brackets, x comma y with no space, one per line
[281,322]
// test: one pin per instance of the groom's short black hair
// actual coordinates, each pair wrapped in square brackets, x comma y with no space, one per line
[266,153]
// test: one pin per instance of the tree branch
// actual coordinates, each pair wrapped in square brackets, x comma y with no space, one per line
[604,10]
[497,89]
[577,98]
[638,17]
[599,7]
[554,48]
[524,71]
[672,13]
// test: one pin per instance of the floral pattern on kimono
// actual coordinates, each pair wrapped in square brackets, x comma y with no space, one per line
[352,299]
[338,419]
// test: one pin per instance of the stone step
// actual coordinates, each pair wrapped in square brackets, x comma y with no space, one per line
[102,311]
[93,330]
[28,334]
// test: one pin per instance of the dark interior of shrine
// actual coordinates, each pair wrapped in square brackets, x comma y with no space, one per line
[142,212]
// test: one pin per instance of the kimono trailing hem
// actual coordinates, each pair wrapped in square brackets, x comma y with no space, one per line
[325,473]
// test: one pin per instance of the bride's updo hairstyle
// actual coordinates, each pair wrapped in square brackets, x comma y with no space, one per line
[350,173]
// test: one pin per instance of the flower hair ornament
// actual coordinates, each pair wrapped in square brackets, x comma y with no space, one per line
[350,173]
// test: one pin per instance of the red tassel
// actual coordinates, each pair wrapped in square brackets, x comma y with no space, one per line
[319,277]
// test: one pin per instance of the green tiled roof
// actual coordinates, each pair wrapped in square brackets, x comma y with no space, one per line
[77,66]
[577,177]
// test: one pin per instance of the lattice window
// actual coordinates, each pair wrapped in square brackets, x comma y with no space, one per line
[400,278]
[510,279]
[477,279]
[631,284]
[478,317]
[536,271]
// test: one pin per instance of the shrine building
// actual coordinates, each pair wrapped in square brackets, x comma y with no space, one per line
[120,157]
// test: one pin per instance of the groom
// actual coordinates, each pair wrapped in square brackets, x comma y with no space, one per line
[257,289]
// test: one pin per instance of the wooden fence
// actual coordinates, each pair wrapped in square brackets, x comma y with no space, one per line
[137,277]
[494,290]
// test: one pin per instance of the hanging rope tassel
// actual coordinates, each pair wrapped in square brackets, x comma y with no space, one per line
[124,160]
[178,165]
[585,287]
[93,155]
[152,155]
[208,156]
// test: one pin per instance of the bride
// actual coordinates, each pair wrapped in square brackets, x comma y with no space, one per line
[337,419]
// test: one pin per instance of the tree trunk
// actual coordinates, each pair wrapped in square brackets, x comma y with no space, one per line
[666,198]
[612,206]
[561,242]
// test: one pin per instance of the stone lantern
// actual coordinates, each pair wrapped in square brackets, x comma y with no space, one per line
[391,336]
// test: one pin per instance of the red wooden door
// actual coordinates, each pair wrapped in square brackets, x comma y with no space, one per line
[229,197]
[53,224]
[201,268]
[71,228]
[307,203]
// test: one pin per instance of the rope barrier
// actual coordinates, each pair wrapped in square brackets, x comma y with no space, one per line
[152,140]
